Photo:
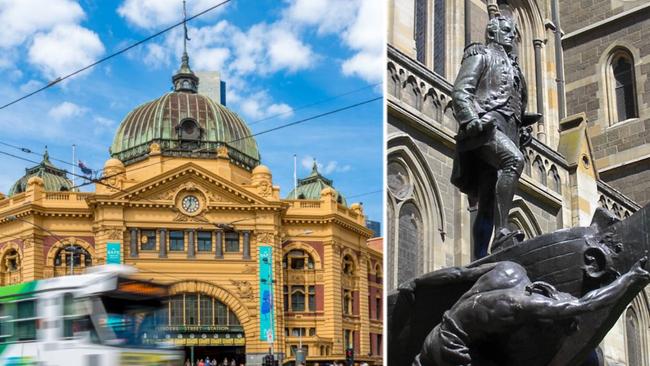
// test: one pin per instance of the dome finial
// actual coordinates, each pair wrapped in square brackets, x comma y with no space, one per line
[184,80]
[314,167]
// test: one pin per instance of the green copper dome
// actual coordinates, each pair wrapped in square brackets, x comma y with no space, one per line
[309,188]
[184,123]
[55,179]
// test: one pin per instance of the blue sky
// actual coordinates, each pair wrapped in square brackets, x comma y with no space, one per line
[275,56]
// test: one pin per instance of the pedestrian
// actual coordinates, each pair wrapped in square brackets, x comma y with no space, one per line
[201,363]
[187,362]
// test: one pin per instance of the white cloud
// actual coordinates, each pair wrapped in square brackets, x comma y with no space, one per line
[149,14]
[155,55]
[66,110]
[358,23]
[332,166]
[286,51]
[64,49]
[259,106]
[22,18]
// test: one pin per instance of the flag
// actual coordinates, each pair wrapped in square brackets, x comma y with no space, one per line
[84,169]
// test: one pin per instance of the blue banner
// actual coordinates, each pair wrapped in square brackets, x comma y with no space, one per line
[267,320]
[113,253]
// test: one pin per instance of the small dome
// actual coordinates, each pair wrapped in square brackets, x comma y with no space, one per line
[184,123]
[113,163]
[54,179]
[261,169]
[310,188]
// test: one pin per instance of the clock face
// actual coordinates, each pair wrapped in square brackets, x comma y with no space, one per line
[190,204]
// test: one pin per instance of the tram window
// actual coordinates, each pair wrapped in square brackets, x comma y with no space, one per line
[204,241]
[176,241]
[25,324]
[68,313]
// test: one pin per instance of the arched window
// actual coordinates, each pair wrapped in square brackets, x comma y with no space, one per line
[633,338]
[621,86]
[410,232]
[298,259]
[80,257]
[297,298]
[623,72]
[197,309]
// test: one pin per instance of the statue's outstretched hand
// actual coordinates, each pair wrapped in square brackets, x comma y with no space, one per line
[639,271]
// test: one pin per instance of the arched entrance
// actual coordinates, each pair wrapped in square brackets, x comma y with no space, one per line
[206,322]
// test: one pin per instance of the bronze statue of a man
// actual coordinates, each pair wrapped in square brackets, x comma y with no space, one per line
[489,101]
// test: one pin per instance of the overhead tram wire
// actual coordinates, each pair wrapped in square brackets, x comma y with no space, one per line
[101,179]
[119,52]
[315,103]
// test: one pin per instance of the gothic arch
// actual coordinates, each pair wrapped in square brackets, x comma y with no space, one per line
[66,242]
[641,308]
[523,217]
[307,248]
[426,196]
[223,295]
[618,49]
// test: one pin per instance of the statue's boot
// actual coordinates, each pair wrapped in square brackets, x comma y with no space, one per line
[505,192]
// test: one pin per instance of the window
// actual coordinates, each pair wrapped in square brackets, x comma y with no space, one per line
[204,241]
[80,257]
[297,298]
[221,314]
[439,37]
[176,241]
[68,315]
[25,323]
[621,86]
[312,298]
[298,259]
[298,332]
[206,310]
[176,311]
[232,241]
[409,258]
[378,307]
[312,332]
[633,338]
[148,240]
[624,89]
[232,318]
[347,337]
[347,302]
[420,35]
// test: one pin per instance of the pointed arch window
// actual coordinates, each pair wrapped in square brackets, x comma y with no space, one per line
[409,253]
[633,338]
[622,86]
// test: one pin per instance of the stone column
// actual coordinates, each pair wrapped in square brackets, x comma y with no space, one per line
[190,243]
[163,244]
[247,244]
[468,22]
[133,249]
[218,244]
[537,44]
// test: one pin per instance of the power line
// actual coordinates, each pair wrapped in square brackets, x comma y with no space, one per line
[119,52]
[308,119]
[315,103]
[365,194]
